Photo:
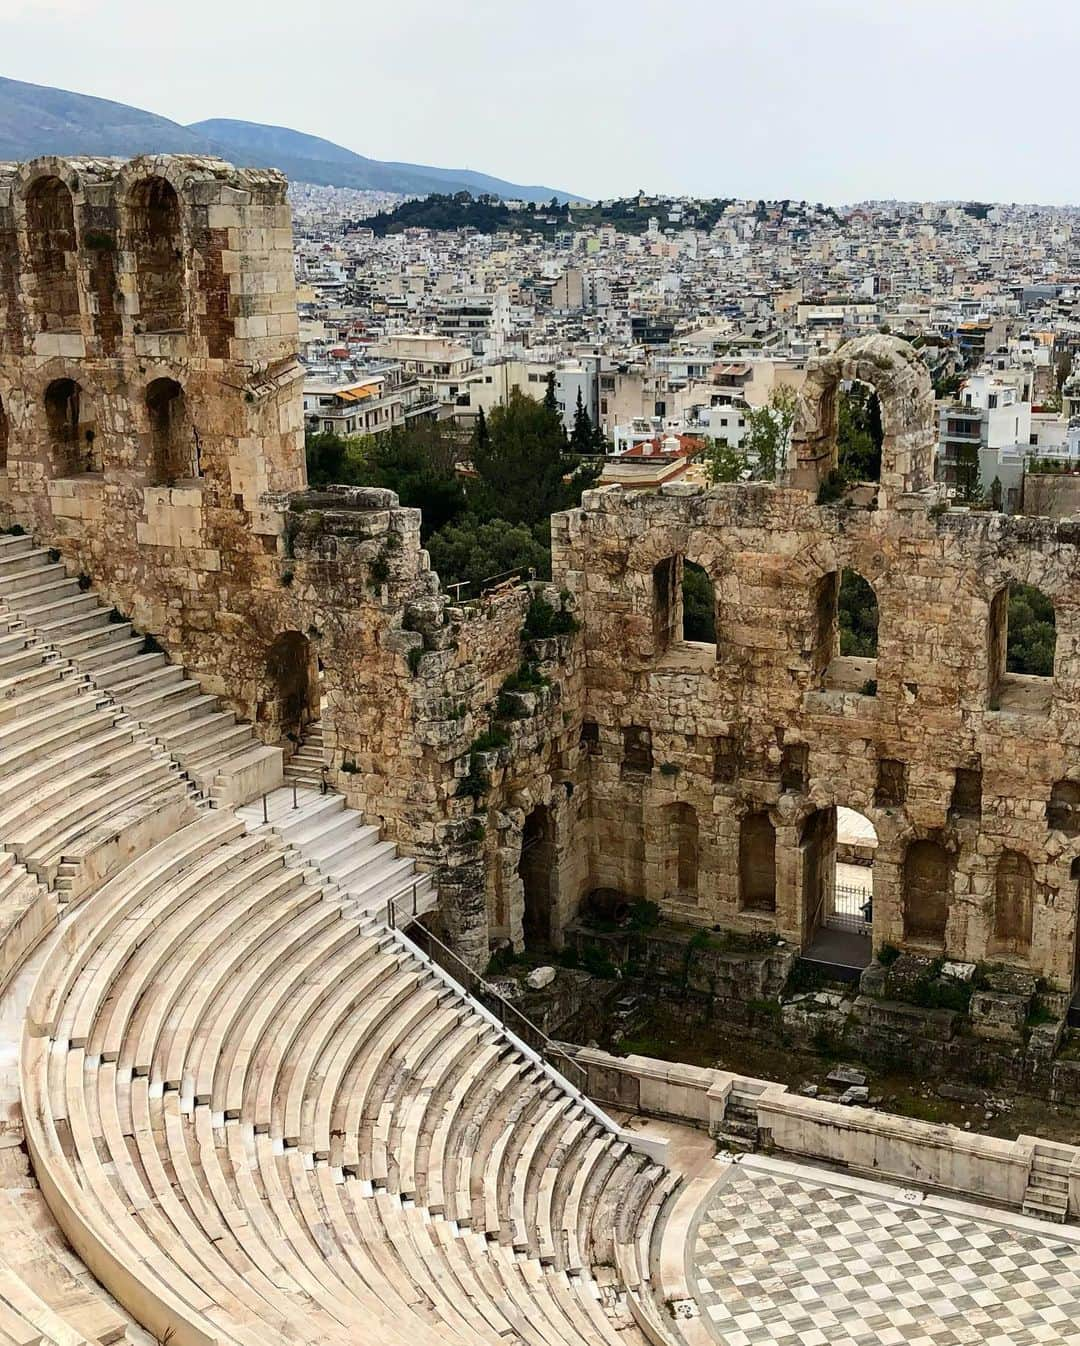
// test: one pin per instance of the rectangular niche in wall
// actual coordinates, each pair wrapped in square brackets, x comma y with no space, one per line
[637,759]
[794,767]
[725,759]
[966,801]
[590,738]
[891,788]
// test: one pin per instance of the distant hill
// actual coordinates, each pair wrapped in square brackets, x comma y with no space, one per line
[36,119]
[459,210]
[311,159]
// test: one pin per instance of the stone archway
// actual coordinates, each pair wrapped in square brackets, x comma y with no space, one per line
[893,369]
[70,428]
[291,694]
[757,862]
[1014,896]
[50,230]
[155,239]
[174,452]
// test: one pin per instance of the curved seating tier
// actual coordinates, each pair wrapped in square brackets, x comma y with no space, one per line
[260,1118]
[45,1296]
[192,726]
[71,763]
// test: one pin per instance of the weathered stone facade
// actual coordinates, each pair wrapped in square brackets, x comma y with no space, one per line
[151,425]
[967,773]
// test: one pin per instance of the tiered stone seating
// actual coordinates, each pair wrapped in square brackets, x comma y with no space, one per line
[263,1118]
[71,764]
[221,756]
[348,852]
[45,1296]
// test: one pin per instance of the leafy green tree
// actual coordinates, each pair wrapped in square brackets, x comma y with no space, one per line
[583,437]
[768,430]
[1032,632]
[725,462]
[473,550]
[325,453]
[859,433]
[699,604]
[969,487]
[857,615]
[526,471]
[551,402]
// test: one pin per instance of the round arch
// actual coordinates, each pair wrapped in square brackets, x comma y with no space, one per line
[154,236]
[52,253]
[290,699]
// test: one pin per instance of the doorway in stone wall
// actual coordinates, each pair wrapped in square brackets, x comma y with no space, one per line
[838,846]
[291,699]
[536,869]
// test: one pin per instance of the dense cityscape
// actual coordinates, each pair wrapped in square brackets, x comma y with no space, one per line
[539,715]
[669,333]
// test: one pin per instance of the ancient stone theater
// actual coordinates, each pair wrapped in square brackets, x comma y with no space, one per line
[270,797]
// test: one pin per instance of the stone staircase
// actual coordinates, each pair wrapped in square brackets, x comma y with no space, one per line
[305,767]
[259,1113]
[740,1128]
[1047,1195]
[345,850]
[282,1124]
[221,756]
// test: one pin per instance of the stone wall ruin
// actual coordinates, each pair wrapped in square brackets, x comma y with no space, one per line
[152,432]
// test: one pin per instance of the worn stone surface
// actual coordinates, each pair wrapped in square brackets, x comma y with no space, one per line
[151,395]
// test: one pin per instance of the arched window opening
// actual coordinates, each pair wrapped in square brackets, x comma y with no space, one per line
[174,452]
[857,616]
[684,606]
[757,863]
[927,887]
[4,432]
[838,847]
[859,433]
[50,228]
[536,868]
[1014,892]
[1021,646]
[291,702]
[71,431]
[154,226]
[698,605]
[846,616]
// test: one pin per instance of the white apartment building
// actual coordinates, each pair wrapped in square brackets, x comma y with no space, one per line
[445,368]
[365,406]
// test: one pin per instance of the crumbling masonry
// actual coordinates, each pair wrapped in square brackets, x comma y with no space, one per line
[151,431]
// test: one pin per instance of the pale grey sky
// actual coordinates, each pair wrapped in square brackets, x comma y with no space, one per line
[831,100]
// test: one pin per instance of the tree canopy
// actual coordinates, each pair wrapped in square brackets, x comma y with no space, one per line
[474,526]
[1032,632]
[525,468]
[859,433]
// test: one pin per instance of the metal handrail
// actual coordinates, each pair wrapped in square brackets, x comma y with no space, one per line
[474,982]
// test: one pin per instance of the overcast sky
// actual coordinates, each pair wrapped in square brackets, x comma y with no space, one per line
[831,100]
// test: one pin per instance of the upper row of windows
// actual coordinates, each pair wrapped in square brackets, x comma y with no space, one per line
[1021,634]
[153,235]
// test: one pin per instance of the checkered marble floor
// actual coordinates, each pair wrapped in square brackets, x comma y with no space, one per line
[789,1258]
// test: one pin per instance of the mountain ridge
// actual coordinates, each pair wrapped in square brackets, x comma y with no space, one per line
[36,119]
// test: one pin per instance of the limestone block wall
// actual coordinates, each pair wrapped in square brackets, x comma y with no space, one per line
[149,390]
[725,726]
